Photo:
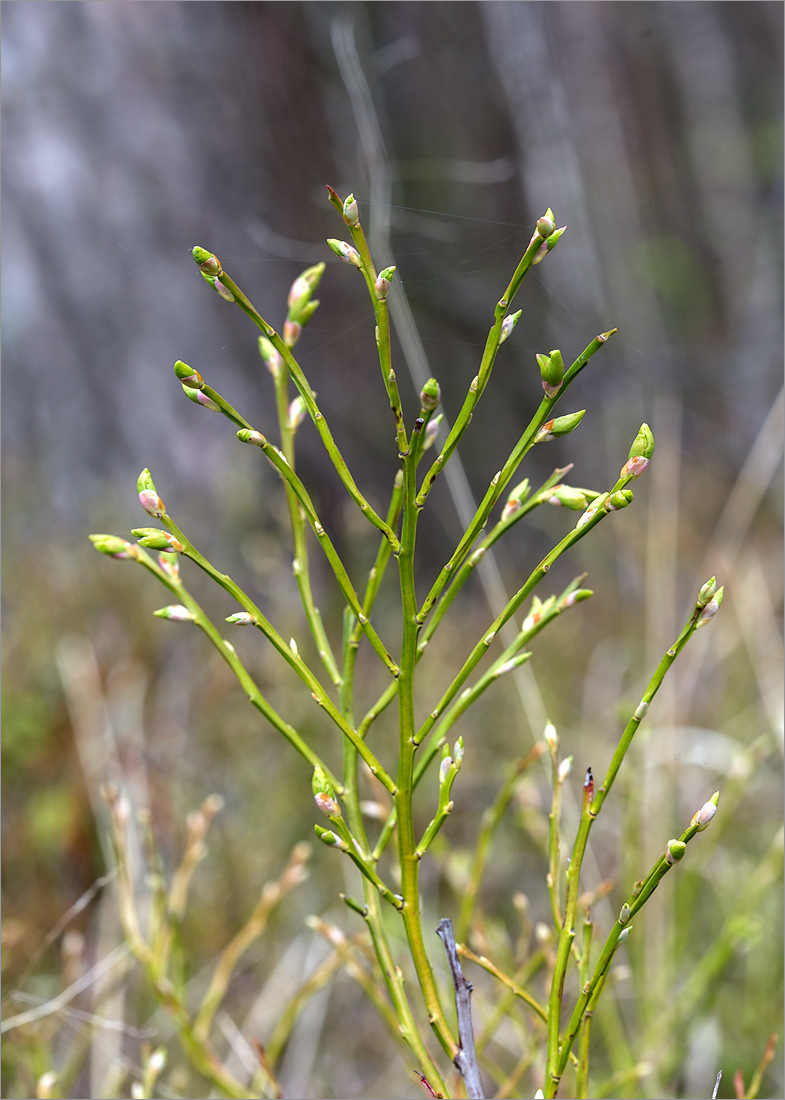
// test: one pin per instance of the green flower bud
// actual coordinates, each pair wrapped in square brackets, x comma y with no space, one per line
[624,915]
[200,398]
[560,425]
[241,618]
[347,252]
[711,608]
[707,592]
[675,851]
[248,435]
[148,495]
[383,283]
[508,324]
[430,395]
[324,793]
[331,839]
[549,244]
[516,499]
[114,547]
[271,356]
[176,612]
[350,213]
[552,372]
[188,375]
[155,539]
[620,499]
[545,225]
[567,496]
[643,444]
[208,262]
[302,288]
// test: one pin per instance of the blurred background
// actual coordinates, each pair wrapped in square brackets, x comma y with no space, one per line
[133,131]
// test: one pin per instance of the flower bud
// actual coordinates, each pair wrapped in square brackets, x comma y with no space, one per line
[551,737]
[457,753]
[114,546]
[618,500]
[515,500]
[560,425]
[549,244]
[675,851]
[176,612]
[241,618]
[291,332]
[303,286]
[643,444]
[705,814]
[706,593]
[350,213]
[445,764]
[347,252]
[711,608]
[148,495]
[567,496]
[546,224]
[565,767]
[324,793]
[430,395]
[634,467]
[187,375]
[200,398]
[297,412]
[249,435]
[624,915]
[170,564]
[154,539]
[383,283]
[271,356]
[208,262]
[331,839]
[508,324]
[431,431]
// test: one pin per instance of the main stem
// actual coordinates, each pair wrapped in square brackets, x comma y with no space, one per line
[409,862]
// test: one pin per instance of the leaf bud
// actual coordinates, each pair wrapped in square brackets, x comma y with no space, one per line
[383,283]
[350,212]
[200,398]
[347,252]
[711,608]
[187,375]
[208,262]
[430,395]
[176,612]
[559,425]
[508,324]
[114,547]
[618,500]
[675,851]
[270,356]
[705,814]
[324,793]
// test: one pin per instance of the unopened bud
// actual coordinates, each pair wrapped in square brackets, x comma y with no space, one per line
[170,564]
[565,767]
[634,467]
[643,444]
[216,284]
[445,763]
[705,814]
[208,262]
[303,286]
[297,412]
[567,496]
[675,851]
[350,213]
[347,252]
[431,431]
[45,1085]
[153,539]
[176,612]
[457,753]
[624,915]
[114,547]
[620,499]
[200,398]
[383,283]
[250,435]
[516,499]
[331,839]
[508,324]
[711,608]
[552,372]
[551,737]
[324,793]
[241,618]
[430,395]
[559,425]
[706,593]
[271,356]
[188,375]
[291,332]
[546,224]
[549,244]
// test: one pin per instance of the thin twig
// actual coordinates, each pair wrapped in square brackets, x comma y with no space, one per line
[466,1057]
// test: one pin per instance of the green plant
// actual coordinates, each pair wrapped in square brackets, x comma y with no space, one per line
[390,874]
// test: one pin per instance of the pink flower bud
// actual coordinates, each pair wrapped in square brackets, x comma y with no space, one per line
[152,503]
